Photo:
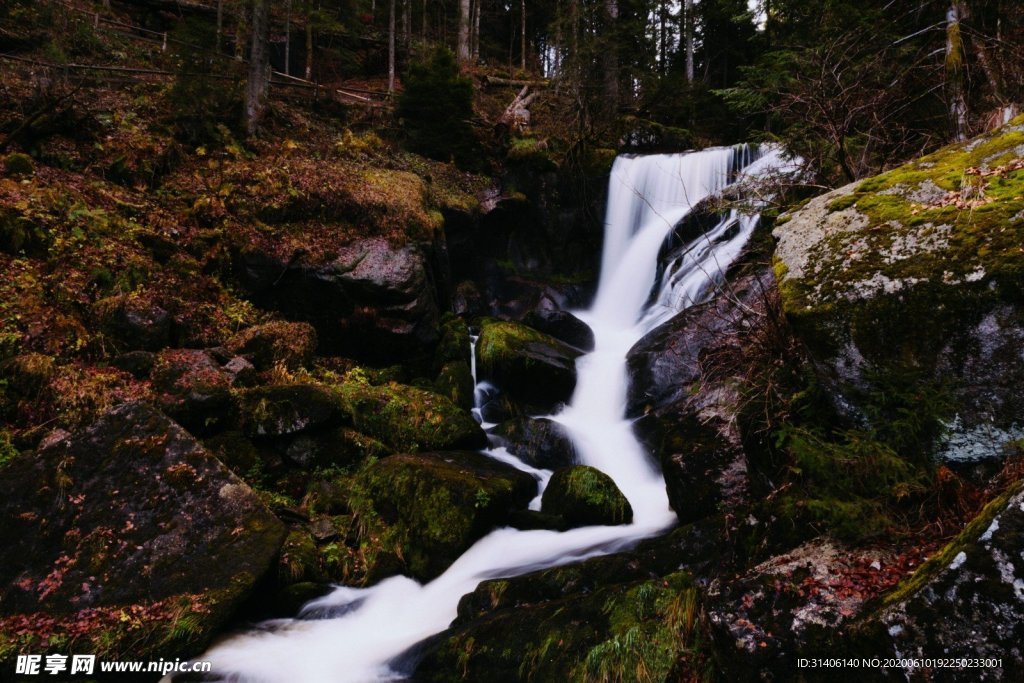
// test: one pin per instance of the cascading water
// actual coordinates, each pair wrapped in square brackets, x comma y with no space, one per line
[371,628]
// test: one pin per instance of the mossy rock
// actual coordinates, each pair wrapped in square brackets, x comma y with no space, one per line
[26,375]
[148,547]
[918,268]
[284,409]
[20,234]
[455,381]
[338,447]
[193,388]
[539,442]
[585,496]
[409,418]
[18,164]
[532,367]
[454,344]
[287,344]
[422,511]
[636,631]
[133,323]
[298,561]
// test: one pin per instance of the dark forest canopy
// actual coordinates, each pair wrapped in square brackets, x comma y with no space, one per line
[852,86]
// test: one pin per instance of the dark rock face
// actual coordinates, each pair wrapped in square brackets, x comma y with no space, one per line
[968,601]
[690,418]
[340,446]
[534,368]
[431,507]
[539,442]
[131,510]
[548,317]
[583,496]
[134,324]
[373,301]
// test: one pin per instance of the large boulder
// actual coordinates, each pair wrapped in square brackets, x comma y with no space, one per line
[550,318]
[370,299]
[422,511]
[291,345]
[127,539]
[917,271]
[286,409]
[532,367]
[409,418]
[967,601]
[538,442]
[584,496]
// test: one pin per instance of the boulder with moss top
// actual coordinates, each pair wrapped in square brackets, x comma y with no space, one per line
[534,368]
[408,418]
[420,512]
[133,323]
[291,345]
[584,496]
[126,540]
[539,442]
[285,409]
[918,268]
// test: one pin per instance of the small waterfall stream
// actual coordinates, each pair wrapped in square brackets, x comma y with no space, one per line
[371,628]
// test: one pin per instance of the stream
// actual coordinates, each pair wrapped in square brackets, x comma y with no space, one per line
[365,634]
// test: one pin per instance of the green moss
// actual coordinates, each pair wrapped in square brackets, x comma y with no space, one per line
[585,495]
[18,164]
[407,418]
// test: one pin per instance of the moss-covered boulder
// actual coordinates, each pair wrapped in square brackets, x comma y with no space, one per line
[918,269]
[539,442]
[644,630]
[128,540]
[420,512]
[532,367]
[290,345]
[19,165]
[408,418]
[455,381]
[338,447]
[26,374]
[283,409]
[966,601]
[585,496]
[133,322]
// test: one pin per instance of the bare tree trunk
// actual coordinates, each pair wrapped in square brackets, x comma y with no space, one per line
[955,70]
[309,45]
[406,25]
[259,63]
[464,21]
[241,31]
[288,37]
[688,29]
[611,57]
[476,30]
[423,26]
[391,47]
[663,21]
[220,22]
[522,34]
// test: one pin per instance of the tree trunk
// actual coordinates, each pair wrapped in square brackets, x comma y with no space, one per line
[406,25]
[259,63]
[241,32]
[309,45]
[688,29]
[423,26]
[288,37]
[464,20]
[522,34]
[611,57]
[391,47]
[220,22]
[955,71]
[476,30]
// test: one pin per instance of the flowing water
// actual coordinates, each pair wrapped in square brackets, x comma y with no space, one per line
[367,630]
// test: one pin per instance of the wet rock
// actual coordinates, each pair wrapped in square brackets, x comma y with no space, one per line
[291,345]
[409,418]
[284,409]
[549,318]
[133,323]
[129,517]
[585,496]
[539,442]
[429,508]
[530,366]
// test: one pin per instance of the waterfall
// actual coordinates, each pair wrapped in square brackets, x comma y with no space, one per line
[372,627]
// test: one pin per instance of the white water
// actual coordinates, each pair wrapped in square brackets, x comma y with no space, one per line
[373,626]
